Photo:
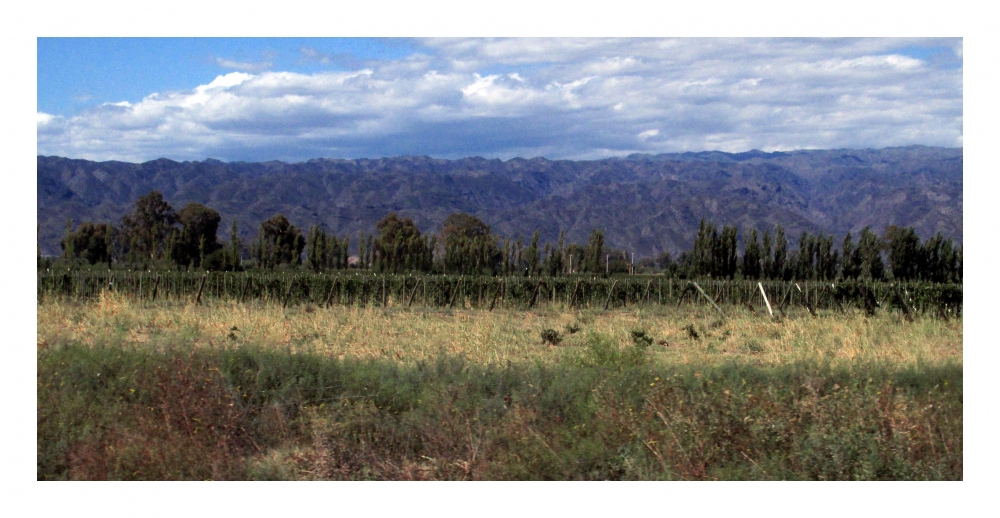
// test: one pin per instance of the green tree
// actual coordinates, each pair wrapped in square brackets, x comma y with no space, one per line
[870,249]
[751,256]
[532,254]
[88,242]
[197,237]
[593,260]
[804,268]
[470,246]
[145,228]
[850,259]
[826,258]
[69,252]
[226,258]
[278,242]
[399,245]
[574,257]
[905,252]
[726,256]
[938,260]
[555,261]
[702,254]
[779,269]
[316,248]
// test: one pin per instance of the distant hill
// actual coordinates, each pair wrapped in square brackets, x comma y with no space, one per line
[644,203]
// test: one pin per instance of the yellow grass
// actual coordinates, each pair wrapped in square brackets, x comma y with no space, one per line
[496,337]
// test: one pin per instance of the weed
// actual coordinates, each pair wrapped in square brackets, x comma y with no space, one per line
[641,338]
[692,332]
[250,413]
[551,337]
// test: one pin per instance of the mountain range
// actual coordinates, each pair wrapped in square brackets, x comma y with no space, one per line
[645,204]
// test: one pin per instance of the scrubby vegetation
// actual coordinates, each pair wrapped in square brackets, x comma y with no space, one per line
[172,390]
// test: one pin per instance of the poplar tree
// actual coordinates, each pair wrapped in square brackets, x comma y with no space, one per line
[870,250]
[767,260]
[234,246]
[594,253]
[780,255]
[533,254]
[751,256]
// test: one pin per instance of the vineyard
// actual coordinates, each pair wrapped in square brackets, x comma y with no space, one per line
[483,292]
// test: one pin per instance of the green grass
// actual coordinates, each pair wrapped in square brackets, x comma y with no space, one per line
[603,412]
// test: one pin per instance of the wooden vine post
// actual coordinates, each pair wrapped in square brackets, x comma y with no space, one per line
[709,299]
[414,292]
[535,294]
[572,299]
[246,285]
[612,290]
[200,288]
[288,294]
[496,294]
[454,293]
[156,286]
[329,297]
[766,302]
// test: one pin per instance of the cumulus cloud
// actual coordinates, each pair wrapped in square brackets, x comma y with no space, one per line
[559,98]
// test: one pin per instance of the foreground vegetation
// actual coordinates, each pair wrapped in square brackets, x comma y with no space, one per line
[173,390]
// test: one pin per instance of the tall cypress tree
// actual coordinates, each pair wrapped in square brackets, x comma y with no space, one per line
[751,256]
[766,255]
[594,253]
[904,252]
[870,249]
[533,254]
[729,255]
[780,255]
[804,268]
[234,246]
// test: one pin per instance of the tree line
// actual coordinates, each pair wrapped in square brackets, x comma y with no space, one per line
[152,234]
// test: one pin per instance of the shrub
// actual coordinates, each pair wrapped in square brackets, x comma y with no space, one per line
[601,351]
[551,336]
[692,332]
[641,338]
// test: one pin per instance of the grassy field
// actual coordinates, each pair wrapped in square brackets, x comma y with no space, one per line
[128,390]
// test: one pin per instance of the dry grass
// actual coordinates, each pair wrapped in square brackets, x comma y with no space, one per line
[497,337]
[170,391]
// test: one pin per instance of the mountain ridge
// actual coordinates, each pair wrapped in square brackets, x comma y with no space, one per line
[644,203]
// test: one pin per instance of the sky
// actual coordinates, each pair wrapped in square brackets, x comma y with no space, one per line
[293,99]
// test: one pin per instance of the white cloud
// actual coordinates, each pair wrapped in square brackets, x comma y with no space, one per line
[561,98]
[247,66]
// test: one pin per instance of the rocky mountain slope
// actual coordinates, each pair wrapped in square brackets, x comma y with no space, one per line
[645,203]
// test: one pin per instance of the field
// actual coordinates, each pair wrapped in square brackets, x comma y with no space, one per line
[131,388]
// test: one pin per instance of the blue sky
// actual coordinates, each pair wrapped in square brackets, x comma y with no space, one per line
[293,99]
[79,73]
